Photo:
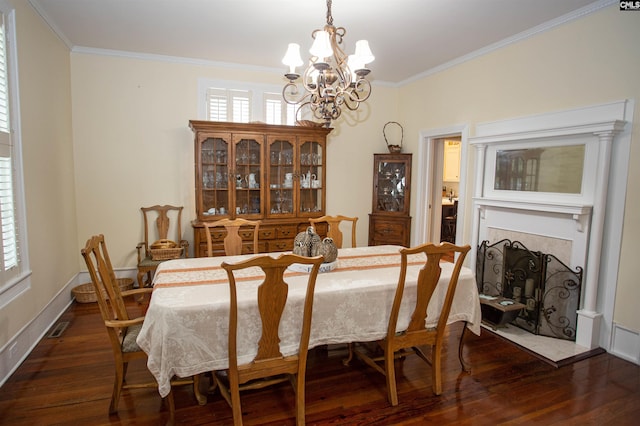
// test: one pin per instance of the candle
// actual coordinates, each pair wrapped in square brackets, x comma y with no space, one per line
[517,292]
[528,287]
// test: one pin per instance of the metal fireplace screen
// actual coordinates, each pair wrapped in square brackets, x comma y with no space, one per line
[548,288]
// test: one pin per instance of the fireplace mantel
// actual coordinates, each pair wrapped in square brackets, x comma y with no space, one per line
[580,213]
[576,215]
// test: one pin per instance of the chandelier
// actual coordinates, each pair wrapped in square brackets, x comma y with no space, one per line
[332,80]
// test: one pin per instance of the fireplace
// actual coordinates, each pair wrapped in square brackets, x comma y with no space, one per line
[544,289]
[547,177]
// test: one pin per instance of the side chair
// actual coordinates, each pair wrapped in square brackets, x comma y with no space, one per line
[398,344]
[167,220]
[233,240]
[269,365]
[122,329]
[334,228]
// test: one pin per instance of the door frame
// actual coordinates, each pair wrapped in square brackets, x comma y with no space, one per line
[429,182]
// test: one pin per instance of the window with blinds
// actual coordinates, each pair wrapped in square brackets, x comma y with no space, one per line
[7,219]
[14,262]
[228,105]
[229,101]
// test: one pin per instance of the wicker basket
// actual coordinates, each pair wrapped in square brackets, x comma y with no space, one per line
[85,293]
[393,148]
[165,250]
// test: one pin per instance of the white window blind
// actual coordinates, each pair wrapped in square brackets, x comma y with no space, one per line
[273,108]
[14,262]
[217,104]
[291,114]
[4,94]
[228,105]
[241,105]
[7,218]
[7,210]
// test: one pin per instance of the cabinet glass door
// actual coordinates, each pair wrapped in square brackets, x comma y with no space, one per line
[214,179]
[390,186]
[311,177]
[280,197]
[247,176]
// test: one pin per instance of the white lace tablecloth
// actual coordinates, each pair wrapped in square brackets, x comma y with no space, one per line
[185,330]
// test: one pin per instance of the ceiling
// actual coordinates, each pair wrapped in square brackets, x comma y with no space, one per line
[407,37]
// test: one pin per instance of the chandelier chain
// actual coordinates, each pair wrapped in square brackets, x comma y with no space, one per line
[329,16]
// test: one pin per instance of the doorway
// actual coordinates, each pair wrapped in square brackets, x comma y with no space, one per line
[431,183]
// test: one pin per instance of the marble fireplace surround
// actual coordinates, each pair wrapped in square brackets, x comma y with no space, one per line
[570,226]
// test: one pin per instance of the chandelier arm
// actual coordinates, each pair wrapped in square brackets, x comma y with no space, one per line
[290,97]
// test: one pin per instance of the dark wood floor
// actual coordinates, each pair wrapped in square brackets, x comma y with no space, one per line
[67,380]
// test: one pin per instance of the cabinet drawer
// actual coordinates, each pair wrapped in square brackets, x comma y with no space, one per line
[280,245]
[388,229]
[287,231]
[266,233]
[218,248]
[218,235]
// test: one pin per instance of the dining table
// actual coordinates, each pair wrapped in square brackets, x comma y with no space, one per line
[185,330]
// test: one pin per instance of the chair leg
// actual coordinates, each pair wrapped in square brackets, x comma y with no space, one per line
[202,399]
[236,409]
[300,400]
[172,409]
[435,367]
[346,361]
[465,367]
[117,387]
[390,374]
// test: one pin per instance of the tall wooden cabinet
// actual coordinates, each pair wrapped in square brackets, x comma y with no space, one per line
[389,221]
[256,171]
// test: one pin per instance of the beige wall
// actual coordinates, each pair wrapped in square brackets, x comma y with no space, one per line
[586,62]
[45,109]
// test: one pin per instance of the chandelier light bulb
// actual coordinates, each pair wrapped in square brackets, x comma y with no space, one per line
[321,47]
[354,63]
[292,58]
[363,52]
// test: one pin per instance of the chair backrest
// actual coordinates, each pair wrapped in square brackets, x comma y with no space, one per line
[233,240]
[272,297]
[428,278]
[108,295]
[165,218]
[334,228]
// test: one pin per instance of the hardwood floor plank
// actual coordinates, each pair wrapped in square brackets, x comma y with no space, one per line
[68,380]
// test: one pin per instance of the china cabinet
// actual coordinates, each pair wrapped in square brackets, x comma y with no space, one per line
[389,221]
[257,171]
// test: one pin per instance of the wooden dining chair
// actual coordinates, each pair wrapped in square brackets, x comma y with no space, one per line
[334,227]
[122,329]
[167,220]
[398,344]
[236,229]
[269,365]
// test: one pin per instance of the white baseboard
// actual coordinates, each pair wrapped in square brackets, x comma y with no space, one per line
[20,346]
[625,343]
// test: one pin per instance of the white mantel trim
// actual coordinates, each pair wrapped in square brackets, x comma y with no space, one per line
[591,128]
